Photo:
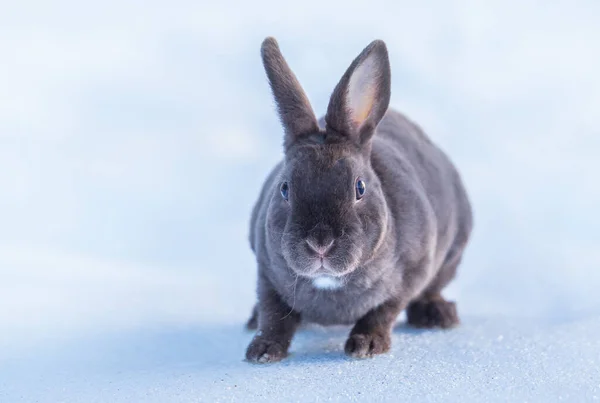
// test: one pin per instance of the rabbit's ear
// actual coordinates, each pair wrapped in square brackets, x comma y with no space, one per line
[362,96]
[295,112]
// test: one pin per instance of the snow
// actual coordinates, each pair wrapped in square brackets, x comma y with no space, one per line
[134,140]
[492,359]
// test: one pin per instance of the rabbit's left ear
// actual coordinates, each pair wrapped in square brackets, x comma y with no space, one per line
[295,111]
[362,96]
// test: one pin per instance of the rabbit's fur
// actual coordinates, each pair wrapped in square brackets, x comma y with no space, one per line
[326,256]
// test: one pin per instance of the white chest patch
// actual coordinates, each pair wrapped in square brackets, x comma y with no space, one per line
[326,283]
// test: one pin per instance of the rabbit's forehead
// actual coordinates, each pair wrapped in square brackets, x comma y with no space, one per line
[320,168]
[325,157]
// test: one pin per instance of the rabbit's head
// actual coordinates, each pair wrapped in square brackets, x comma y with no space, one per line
[328,214]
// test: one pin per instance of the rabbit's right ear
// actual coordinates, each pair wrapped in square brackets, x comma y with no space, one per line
[295,112]
[362,96]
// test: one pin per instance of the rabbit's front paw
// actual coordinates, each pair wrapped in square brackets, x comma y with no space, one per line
[362,345]
[264,351]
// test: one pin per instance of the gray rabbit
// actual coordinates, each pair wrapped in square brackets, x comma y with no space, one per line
[363,218]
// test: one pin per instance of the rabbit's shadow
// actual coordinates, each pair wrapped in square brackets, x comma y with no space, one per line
[316,343]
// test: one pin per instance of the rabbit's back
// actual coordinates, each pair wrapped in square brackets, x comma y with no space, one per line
[401,143]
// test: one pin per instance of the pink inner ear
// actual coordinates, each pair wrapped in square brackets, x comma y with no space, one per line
[361,91]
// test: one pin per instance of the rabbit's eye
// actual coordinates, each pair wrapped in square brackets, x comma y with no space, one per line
[285,190]
[361,187]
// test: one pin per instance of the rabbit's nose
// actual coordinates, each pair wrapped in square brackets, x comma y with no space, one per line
[321,248]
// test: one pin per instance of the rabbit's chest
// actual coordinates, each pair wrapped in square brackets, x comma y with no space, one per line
[328,301]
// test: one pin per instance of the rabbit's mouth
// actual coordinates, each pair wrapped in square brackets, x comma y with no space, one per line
[337,261]
[321,269]
[322,273]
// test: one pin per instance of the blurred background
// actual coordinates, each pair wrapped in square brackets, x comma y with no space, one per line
[134,138]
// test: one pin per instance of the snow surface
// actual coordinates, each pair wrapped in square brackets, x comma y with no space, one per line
[493,359]
[134,138]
